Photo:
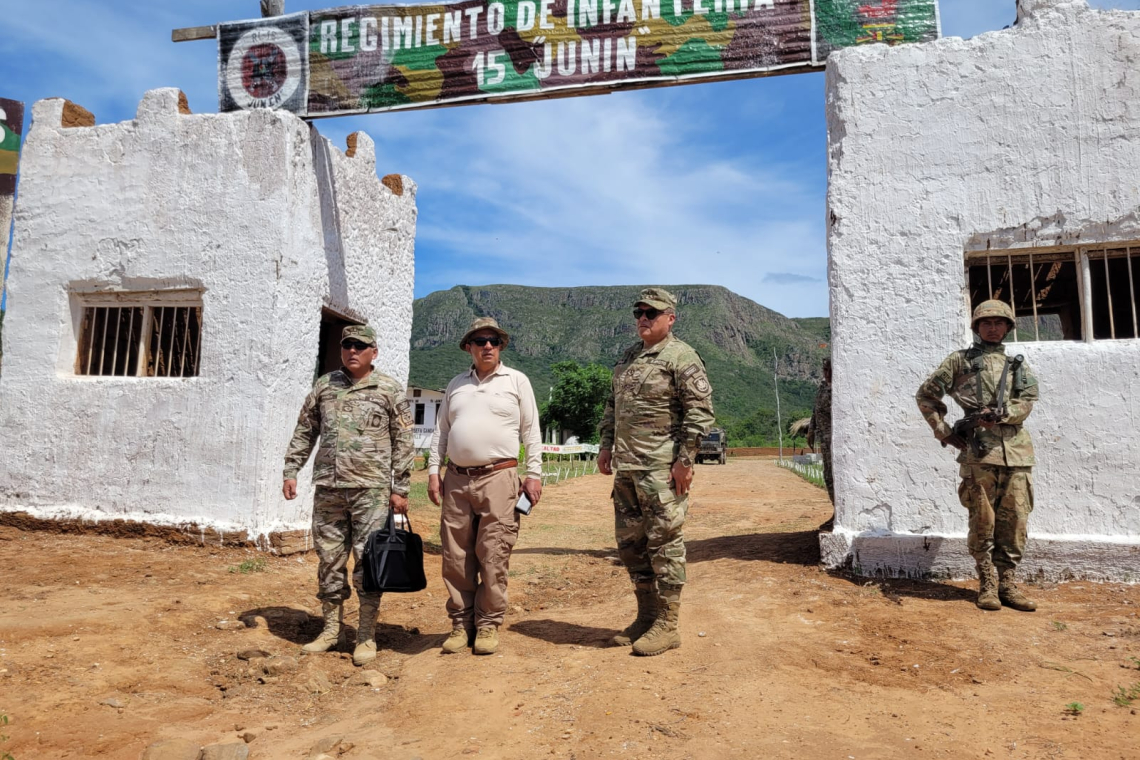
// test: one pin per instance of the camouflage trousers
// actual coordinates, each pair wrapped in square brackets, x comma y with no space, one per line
[999,500]
[343,519]
[649,521]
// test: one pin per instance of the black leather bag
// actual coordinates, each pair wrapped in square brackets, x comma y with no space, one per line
[394,560]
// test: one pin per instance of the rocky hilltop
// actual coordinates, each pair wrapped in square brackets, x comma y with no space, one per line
[735,336]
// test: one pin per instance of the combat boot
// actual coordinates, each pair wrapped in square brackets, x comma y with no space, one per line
[664,634]
[646,615]
[486,640]
[365,651]
[460,639]
[1010,595]
[987,587]
[334,615]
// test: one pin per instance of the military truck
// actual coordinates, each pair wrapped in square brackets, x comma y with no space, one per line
[714,447]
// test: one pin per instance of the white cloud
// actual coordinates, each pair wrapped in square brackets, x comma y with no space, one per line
[612,190]
[104,56]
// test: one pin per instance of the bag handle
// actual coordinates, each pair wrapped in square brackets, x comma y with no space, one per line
[389,526]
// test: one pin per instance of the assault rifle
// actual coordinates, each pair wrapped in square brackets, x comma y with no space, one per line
[963,432]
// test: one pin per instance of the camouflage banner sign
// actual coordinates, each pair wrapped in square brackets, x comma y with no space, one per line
[383,57]
[11,127]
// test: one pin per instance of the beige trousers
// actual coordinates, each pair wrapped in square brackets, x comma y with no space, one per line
[478,528]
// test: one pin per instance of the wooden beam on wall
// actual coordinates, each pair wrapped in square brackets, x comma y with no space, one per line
[192,33]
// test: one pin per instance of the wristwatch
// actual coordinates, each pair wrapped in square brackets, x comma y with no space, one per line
[683,458]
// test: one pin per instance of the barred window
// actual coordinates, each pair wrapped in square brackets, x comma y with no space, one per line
[154,334]
[1086,293]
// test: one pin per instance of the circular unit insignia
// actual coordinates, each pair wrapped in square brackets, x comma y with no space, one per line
[264,68]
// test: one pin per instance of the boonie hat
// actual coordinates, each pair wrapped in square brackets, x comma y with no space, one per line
[659,298]
[362,333]
[484,323]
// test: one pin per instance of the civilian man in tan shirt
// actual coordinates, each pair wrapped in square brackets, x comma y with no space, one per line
[486,412]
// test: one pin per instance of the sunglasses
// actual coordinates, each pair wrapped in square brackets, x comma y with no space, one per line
[494,341]
[354,345]
[650,314]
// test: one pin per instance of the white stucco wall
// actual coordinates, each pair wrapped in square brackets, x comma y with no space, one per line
[243,206]
[1024,137]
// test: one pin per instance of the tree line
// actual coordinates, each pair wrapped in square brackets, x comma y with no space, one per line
[578,398]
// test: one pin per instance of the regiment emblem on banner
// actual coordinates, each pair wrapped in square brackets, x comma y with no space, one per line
[264,64]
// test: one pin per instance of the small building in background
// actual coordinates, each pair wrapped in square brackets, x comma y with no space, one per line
[177,283]
[425,404]
[1002,166]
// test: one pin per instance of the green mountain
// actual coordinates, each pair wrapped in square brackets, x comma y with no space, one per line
[736,337]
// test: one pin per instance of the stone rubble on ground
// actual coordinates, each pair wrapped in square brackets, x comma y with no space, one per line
[276,666]
[228,751]
[318,682]
[230,625]
[325,746]
[172,749]
[373,678]
[249,736]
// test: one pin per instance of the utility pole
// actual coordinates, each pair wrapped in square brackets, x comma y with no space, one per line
[779,423]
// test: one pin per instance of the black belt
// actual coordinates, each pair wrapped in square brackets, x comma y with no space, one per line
[483,469]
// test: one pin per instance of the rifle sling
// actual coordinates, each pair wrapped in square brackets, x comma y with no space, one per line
[999,399]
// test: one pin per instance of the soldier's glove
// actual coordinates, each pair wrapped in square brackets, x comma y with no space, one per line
[954,440]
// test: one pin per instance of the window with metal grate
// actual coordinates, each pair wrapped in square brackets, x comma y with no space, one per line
[140,334]
[1085,293]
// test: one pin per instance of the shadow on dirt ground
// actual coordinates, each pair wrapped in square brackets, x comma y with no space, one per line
[293,625]
[895,589]
[300,627]
[562,633]
[801,548]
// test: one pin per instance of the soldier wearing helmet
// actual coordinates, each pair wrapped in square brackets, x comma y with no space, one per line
[996,394]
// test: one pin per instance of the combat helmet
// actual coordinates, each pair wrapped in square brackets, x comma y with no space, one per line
[992,308]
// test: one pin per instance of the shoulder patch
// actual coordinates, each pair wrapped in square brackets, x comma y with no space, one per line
[404,412]
[689,371]
[702,385]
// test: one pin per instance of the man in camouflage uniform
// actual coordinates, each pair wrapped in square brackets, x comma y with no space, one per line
[996,451]
[659,408]
[363,467]
[819,433]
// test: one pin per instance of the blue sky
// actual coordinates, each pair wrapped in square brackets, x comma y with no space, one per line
[713,183]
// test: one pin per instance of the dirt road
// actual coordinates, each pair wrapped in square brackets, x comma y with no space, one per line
[110,645]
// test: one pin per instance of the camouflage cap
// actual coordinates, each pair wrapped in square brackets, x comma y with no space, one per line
[658,298]
[484,323]
[362,333]
[992,308]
